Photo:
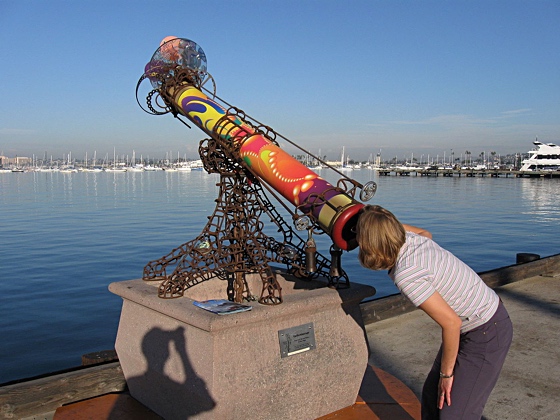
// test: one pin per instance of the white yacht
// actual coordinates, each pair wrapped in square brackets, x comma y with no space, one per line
[545,157]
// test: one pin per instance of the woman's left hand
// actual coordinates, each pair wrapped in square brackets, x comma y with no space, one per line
[445,385]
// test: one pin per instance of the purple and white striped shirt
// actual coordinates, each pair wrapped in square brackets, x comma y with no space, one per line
[423,267]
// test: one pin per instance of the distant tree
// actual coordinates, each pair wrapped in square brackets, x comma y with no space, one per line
[493,157]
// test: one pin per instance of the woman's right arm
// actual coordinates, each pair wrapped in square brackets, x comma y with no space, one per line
[417,230]
[450,325]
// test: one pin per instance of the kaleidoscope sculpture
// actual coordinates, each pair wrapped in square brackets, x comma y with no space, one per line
[252,167]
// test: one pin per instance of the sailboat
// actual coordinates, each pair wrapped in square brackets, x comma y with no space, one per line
[69,167]
[184,166]
[17,168]
[135,167]
[94,167]
[344,165]
[115,167]
[315,165]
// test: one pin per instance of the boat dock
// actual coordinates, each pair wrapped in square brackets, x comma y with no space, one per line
[402,340]
[469,173]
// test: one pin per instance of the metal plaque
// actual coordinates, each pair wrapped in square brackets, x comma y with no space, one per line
[296,339]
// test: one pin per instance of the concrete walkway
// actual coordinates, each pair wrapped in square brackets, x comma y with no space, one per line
[529,386]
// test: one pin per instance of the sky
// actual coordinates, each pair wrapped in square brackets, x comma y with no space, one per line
[400,78]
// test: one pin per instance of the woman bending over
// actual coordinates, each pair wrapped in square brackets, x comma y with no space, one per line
[475,326]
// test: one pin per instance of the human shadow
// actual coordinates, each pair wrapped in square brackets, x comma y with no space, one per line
[163,394]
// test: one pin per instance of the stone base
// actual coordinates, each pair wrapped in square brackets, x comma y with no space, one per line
[184,362]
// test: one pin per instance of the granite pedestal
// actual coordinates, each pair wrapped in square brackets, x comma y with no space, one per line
[184,362]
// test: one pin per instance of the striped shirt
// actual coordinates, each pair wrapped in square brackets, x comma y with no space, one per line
[423,267]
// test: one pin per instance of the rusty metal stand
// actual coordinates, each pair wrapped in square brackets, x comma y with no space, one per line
[232,244]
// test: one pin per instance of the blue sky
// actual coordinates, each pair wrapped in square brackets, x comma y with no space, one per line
[403,77]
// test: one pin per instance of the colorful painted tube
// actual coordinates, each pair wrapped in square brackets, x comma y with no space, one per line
[335,211]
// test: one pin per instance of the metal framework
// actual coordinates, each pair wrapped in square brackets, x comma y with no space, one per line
[232,244]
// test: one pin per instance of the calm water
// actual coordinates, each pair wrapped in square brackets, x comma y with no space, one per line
[65,237]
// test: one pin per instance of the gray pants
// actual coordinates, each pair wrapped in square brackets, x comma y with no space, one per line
[482,352]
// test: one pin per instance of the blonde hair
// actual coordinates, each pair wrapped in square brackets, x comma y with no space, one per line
[380,237]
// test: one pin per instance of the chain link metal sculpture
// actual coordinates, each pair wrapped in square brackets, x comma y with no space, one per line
[248,159]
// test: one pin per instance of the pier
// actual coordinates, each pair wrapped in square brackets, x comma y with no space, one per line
[402,340]
[469,173]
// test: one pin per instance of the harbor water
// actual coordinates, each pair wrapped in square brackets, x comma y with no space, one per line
[66,236]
